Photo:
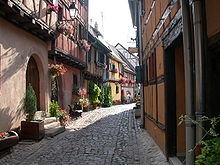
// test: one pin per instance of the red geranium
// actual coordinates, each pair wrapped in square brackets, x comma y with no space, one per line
[3,135]
[57,70]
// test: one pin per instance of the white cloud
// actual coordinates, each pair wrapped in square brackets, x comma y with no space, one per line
[116,20]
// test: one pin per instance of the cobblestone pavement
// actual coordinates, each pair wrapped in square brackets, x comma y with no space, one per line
[109,136]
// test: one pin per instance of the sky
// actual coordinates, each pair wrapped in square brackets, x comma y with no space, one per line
[116,25]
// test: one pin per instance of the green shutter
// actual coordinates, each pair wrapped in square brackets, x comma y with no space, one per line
[138,74]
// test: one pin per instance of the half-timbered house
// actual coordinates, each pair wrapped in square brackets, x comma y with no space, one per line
[26,32]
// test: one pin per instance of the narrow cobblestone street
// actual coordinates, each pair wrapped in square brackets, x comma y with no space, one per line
[108,136]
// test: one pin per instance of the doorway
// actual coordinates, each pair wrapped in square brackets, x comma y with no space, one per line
[32,77]
[175,98]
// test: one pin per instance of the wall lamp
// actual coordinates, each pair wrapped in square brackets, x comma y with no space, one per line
[73,12]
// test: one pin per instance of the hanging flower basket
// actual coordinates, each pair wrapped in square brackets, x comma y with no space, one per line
[51,8]
[56,70]
[67,30]
[83,44]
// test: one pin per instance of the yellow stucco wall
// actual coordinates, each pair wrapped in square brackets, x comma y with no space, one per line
[116,96]
[111,74]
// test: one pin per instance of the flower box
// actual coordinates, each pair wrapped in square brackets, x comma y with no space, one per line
[51,8]
[9,141]
[115,71]
[32,130]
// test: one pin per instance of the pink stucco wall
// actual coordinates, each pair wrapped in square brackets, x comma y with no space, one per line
[17,46]
[67,88]
[65,85]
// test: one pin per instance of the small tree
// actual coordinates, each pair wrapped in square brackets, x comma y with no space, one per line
[30,103]
[94,93]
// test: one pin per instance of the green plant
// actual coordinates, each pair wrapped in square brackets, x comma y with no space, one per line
[94,93]
[210,154]
[30,103]
[102,96]
[54,109]
[108,99]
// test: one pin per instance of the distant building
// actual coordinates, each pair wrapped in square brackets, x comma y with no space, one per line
[96,58]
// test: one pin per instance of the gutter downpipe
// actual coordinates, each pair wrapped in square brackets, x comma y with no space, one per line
[139,42]
[188,66]
[199,54]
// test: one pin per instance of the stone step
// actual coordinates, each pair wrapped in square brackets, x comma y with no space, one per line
[174,161]
[40,115]
[50,120]
[51,125]
[54,131]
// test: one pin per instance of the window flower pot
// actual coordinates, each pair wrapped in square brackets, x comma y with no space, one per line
[9,141]
[32,130]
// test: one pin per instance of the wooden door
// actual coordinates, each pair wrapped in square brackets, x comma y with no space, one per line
[32,77]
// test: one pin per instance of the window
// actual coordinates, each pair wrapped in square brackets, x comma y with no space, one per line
[81,32]
[111,66]
[100,57]
[60,14]
[152,67]
[117,89]
[145,71]
[75,81]
[89,56]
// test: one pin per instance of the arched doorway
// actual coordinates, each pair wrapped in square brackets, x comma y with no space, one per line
[32,77]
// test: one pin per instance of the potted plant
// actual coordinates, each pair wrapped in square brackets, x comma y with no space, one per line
[63,116]
[8,139]
[84,102]
[31,129]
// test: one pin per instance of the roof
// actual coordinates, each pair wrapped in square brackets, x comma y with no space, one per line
[95,38]
[133,11]
[130,59]
[114,53]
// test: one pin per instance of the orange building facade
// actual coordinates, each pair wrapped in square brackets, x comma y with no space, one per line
[179,75]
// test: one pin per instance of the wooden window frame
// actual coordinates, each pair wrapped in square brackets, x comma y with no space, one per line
[152,68]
